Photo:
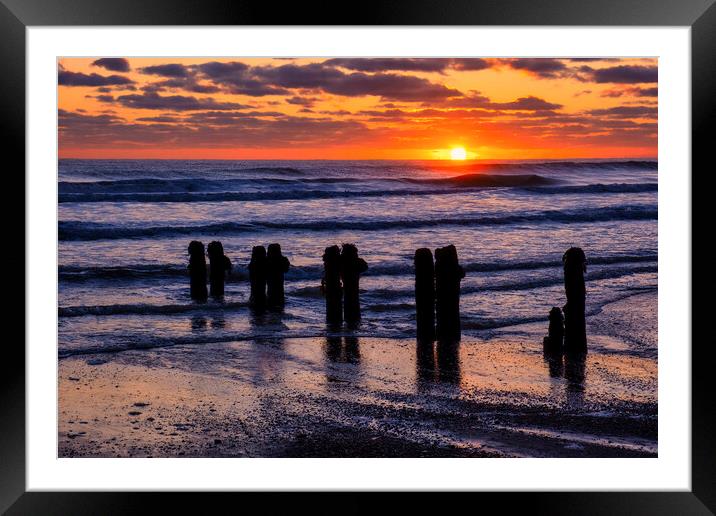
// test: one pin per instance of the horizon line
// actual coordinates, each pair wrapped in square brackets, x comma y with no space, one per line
[622,158]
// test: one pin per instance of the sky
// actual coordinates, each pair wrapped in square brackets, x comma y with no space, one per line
[357,108]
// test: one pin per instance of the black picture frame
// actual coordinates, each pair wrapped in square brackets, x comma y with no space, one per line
[17,15]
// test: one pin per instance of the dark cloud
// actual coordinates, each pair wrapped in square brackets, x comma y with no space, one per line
[477,100]
[69,118]
[385,64]
[545,68]
[528,103]
[373,64]
[229,118]
[114,64]
[302,101]
[236,77]
[469,64]
[150,100]
[626,112]
[245,132]
[67,78]
[389,87]
[625,74]
[159,119]
[646,92]
[187,84]
[633,91]
[167,70]
[280,80]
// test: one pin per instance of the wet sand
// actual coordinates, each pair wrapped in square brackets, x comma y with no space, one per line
[369,397]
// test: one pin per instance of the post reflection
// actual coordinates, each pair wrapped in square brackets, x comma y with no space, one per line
[575,371]
[342,360]
[198,323]
[218,321]
[342,349]
[555,363]
[437,363]
[448,359]
[425,364]
[571,367]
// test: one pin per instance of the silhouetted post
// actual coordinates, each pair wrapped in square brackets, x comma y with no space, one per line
[554,341]
[331,284]
[425,294]
[197,271]
[448,274]
[351,268]
[575,331]
[219,266]
[257,277]
[276,266]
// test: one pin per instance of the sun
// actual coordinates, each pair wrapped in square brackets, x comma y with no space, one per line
[458,153]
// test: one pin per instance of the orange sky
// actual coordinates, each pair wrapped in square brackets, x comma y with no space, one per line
[357,108]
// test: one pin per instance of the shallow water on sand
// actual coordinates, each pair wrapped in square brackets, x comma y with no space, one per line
[353,396]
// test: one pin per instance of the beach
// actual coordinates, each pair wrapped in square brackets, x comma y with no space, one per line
[145,370]
[359,396]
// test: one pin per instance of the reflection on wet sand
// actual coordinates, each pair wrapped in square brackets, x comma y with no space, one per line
[571,367]
[343,350]
[198,323]
[218,321]
[342,360]
[426,368]
[437,363]
[555,364]
[575,371]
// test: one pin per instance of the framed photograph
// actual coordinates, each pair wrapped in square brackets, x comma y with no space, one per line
[422,249]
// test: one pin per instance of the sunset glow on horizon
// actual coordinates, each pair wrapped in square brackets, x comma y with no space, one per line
[357,108]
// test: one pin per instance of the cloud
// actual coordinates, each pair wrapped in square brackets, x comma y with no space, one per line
[384,64]
[160,119]
[280,80]
[476,100]
[67,78]
[167,70]
[633,91]
[389,87]
[545,68]
[363,64]
[151,100]
[469,64]
[114,64]
[626,112]
[187,84]
[69,118]
[236,77]
[528,103]
[625,74]
[104,131]
[302,101]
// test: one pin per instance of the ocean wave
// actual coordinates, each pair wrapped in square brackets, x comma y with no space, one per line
[595,188]
[279,195]
[143,309]
[274,195]
[556,166]
[79,230]
[385,297]
[314,272]
[194,185]
[527,284]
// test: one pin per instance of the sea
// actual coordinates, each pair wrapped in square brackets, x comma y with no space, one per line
[124,227]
